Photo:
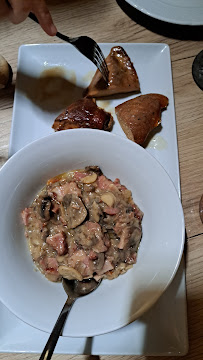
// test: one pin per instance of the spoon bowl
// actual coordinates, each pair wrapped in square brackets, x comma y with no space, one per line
[74,289]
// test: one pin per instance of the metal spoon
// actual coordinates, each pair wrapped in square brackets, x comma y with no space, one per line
[74,290]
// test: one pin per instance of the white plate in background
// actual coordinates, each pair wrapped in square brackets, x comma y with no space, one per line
[182,12]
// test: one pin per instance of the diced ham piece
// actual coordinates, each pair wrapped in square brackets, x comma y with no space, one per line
[25,215]
[58,243]
[118,185]
[68,188]
[77,256]
[49,264]
[85,270]
[82,263]
[99,247]
[79,175]
[103,182]
[52,265]
[87,267]
[110,210]
[93,226]
[131,259]
[138,213]
[52,269]
[42,263]
[55,207]
[117,182]
[93,255]
[107,267]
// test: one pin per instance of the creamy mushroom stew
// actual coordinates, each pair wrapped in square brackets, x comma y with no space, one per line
[83,225]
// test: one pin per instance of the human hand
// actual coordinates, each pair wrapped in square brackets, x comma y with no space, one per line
[18,10]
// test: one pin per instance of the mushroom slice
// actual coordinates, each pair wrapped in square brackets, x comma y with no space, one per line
[89,179]
[46,207]
[69,273]
[108,198]
[73,211]
[94,168]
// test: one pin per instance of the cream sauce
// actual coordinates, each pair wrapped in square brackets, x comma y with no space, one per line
[104,104]
[158,143]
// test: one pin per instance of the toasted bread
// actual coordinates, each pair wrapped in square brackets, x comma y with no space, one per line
[139,116]
[122,76]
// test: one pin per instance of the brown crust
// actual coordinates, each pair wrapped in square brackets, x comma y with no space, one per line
[139,116]
[6,73]
[122,76]
[84,113]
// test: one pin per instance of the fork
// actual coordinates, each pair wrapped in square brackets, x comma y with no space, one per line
[88,47]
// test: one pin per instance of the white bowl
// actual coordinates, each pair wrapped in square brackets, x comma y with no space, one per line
[37,301]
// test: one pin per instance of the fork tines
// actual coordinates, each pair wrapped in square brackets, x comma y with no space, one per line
[100,62]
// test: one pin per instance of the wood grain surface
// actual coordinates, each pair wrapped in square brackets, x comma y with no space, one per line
[116,21]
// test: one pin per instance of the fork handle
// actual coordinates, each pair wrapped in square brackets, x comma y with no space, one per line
[63,37]
[33,17]
[58,34]
[53,338]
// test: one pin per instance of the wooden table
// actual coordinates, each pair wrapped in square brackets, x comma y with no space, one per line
[111,21]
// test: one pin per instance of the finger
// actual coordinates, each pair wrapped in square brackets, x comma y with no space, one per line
[40,9]
[4,8]
[19,10]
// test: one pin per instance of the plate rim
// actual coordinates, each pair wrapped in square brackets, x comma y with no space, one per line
[144,9]
[180,212]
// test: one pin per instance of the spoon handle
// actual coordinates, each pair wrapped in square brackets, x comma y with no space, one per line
[53,338]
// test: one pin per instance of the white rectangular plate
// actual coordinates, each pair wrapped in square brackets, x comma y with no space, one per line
[41,94]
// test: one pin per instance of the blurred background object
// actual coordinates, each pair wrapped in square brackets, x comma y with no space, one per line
[6,73]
